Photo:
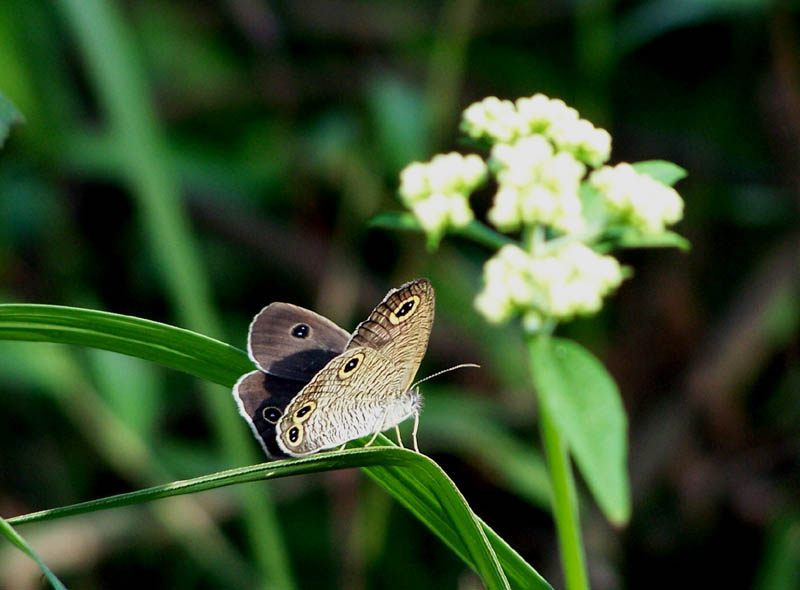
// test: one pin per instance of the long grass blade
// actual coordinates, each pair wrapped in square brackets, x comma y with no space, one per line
[9,533]
[414,480]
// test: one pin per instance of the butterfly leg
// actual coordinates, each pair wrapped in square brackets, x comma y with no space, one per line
[414,432]
[342,447]
[372,440]
[399,438]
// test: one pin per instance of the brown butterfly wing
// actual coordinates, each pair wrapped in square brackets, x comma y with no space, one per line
[292,342]
[399,327]
[351,397]
[261,399]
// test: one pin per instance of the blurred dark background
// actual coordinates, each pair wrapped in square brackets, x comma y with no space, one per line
[271,133]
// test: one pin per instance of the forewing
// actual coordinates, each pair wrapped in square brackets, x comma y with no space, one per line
[399,327]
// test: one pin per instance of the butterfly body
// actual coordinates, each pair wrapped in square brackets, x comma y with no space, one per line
[317,388]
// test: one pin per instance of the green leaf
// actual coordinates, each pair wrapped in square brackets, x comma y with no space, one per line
[401,220]
[625,236]
[13,536]
[780,560]
[593,206]
[663,171]
[9,116]
[167,345]
[414,480]
[584,403]
[630,237]
[667,239]
[475,231]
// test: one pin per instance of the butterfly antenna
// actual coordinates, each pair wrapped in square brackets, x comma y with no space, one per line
[445,371]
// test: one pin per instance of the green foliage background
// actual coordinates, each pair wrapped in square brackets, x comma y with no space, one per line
[191,162]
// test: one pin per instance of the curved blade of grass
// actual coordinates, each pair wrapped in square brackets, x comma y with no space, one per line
[9,533]
[9,116]
[438,504]
[414,480]
[167,345]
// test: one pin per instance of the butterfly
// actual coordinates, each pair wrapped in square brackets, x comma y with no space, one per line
[318,387]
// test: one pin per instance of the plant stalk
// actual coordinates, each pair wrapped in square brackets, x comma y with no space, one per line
[564,503]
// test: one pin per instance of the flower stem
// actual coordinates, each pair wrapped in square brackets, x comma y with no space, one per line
[483,234]
[564,503]
[534,237]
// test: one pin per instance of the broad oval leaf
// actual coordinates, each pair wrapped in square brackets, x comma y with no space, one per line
[585,405]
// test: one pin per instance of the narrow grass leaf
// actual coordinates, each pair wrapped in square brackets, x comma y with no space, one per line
[167,345]
[13,536]
[780,559]
[9,116]
[414,480]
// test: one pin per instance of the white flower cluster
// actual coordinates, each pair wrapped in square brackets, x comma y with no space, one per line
[494,119]
[566,282]
[502,121]
[637,198]
[541,150]
[437,191]
[536,186]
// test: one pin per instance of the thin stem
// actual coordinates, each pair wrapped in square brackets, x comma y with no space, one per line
[565,503]
[548,326]
[484,235]
[565,508]
[534,238]
[478,232]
